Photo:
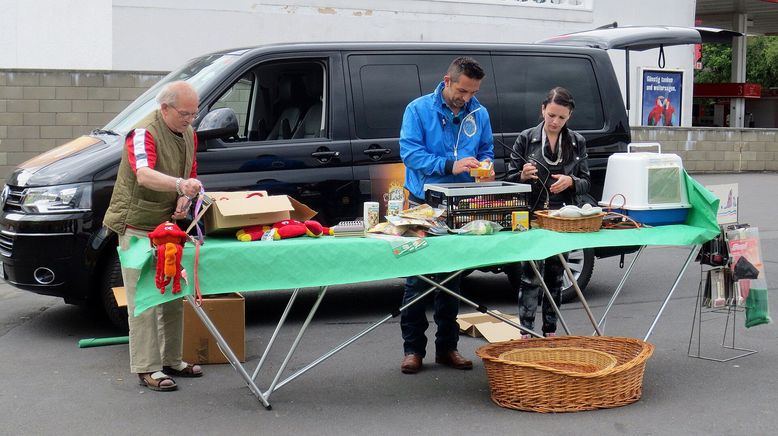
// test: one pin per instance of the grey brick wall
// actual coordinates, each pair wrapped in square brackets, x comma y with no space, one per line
[42,109]
[712,149]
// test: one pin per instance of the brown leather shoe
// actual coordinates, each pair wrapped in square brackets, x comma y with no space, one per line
[454,360]
[411,364]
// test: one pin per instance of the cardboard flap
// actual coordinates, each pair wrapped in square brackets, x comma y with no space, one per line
[233,210]
[237,203]
[478,324]
[301,212]
[498,331]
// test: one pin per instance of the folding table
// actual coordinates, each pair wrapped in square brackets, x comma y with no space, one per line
[227,265]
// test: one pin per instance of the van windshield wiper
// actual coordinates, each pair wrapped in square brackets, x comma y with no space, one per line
[104,132]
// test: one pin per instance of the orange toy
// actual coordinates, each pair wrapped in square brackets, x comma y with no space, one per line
[284,230]
[168,240]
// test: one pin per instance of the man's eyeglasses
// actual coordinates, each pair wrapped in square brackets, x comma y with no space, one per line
[185,114]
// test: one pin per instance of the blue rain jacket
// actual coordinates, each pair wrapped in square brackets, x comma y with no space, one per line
[428,140]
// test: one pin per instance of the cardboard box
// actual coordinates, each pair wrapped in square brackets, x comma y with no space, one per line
[479,324]
[228,314]
[233,210]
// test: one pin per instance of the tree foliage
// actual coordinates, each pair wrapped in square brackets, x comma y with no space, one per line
[761,59]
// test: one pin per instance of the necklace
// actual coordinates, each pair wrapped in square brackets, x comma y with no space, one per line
[558,159]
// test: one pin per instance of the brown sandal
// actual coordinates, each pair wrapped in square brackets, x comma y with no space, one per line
[188,371]
[157,381]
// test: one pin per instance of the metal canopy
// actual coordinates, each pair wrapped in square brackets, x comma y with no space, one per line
[762,14]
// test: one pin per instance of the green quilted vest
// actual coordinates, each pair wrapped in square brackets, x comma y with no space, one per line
[142,208]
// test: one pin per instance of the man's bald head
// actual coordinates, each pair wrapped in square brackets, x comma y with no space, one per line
[178,103]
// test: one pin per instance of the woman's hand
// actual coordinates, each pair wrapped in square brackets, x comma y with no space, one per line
[563,182]
[528,172]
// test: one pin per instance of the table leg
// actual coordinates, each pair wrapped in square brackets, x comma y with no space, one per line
[306,323]
[348,342]
[580,294]
[620,286]
[225,348]
[280,324]
[479,307]
[689,260]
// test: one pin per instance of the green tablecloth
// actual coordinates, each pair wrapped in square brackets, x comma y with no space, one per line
[227,265]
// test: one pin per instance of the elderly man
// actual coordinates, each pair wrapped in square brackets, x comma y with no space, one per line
[156,182]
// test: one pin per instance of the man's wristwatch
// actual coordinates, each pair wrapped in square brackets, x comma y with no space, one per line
[178,186]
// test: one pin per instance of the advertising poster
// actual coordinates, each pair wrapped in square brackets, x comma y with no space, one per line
[662,97]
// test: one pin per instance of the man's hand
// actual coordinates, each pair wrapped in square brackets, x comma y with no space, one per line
[191,187]
[182,206]
[464,165]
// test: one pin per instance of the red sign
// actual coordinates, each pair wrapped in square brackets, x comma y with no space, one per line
[737,90]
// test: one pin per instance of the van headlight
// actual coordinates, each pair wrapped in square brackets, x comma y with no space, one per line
[58,199]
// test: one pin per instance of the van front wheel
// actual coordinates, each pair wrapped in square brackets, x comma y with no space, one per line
[111,277]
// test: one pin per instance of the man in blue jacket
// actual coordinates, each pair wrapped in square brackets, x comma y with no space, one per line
[443,136]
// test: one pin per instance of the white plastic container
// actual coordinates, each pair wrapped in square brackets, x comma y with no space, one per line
[652,184]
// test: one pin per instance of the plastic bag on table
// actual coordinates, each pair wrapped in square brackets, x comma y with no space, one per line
[479,227]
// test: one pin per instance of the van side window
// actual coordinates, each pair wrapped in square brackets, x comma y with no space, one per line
[279,101]
[523,81]
[382,85]
[239,98]
[383,106]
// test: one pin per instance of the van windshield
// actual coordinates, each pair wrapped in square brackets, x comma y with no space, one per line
[197,72]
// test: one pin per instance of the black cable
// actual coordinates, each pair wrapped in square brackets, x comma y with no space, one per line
[533,162]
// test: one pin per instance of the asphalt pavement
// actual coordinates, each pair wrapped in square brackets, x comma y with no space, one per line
[50,386]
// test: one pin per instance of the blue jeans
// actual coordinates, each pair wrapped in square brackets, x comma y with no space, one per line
[414,323]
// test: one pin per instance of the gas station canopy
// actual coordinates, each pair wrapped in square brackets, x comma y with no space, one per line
[762,15]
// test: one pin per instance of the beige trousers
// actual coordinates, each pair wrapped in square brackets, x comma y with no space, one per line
[156,335]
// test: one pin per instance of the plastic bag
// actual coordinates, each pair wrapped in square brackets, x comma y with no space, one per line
[757,308]
[479,227]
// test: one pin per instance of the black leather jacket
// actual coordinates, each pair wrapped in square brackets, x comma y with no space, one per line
[529,148]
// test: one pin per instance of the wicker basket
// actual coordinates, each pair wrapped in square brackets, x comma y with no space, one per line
[570,225]
[522,386]
[562,360]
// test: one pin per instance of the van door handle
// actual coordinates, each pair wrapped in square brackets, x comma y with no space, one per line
[324,154]
[375,151]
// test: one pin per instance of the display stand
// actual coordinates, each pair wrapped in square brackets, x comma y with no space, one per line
[716,296]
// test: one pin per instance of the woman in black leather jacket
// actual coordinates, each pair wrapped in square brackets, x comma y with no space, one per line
[552,158]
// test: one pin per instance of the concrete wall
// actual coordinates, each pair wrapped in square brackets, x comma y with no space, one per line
[716,150]
[40,110]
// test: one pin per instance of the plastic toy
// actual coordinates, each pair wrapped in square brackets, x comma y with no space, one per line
[168,240]
[283,230]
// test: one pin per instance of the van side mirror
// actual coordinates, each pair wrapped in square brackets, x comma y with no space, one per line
[218,123]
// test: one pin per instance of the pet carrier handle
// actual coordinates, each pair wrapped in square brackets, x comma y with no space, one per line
[645,145]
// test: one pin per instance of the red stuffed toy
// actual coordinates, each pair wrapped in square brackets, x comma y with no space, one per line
[284,230]
[168,240]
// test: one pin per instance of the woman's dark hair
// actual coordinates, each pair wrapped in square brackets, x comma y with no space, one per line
[562,97]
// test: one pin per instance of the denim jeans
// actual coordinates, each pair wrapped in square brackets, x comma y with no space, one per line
[414,323]
[530,292]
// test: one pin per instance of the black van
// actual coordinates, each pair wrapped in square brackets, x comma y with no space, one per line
[319,122]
